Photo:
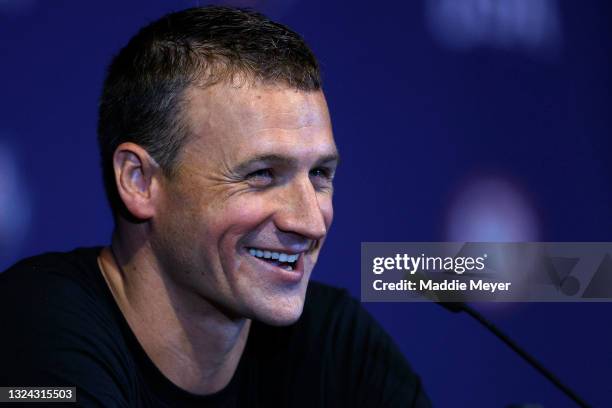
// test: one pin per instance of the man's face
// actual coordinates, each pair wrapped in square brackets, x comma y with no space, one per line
[243,221]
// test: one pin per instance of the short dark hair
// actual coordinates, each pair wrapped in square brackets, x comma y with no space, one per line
[142,97]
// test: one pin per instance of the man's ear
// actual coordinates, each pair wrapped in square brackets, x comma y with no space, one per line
[136,177]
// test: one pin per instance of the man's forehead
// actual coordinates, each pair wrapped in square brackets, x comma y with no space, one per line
[236,124]
[288,109]
[257,107]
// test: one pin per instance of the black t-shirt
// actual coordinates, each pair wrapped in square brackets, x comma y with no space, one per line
[61,326]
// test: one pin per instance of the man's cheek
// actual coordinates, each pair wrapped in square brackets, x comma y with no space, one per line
[251,210]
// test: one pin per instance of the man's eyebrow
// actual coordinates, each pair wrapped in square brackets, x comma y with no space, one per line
[264,158]
[329,158]
[282,160]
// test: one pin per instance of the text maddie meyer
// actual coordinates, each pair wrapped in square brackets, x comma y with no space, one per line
[445,285]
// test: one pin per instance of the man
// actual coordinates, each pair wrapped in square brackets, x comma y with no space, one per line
[218,160]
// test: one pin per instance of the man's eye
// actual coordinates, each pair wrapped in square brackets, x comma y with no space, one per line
[322,172]
[322,178]
[260,177]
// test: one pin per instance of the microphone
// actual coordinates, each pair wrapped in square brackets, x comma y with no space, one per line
[458,307]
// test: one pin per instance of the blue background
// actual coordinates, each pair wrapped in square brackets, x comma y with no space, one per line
[455,119]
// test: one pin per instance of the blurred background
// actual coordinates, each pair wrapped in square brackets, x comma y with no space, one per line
[482,120]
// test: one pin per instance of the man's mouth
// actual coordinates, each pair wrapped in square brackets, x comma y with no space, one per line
[281,259]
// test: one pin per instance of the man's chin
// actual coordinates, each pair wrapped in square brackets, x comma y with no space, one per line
[280,315]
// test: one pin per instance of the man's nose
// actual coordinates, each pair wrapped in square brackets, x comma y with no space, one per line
[300,211]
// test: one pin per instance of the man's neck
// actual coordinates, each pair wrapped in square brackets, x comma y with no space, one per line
[193,343]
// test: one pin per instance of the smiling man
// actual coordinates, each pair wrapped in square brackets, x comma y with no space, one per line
[218,160]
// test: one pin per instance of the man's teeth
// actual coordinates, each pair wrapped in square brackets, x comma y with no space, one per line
[281,256]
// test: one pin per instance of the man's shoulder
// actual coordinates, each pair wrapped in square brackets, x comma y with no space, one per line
[61,327]
[52,292]
[52,273]
[52,265]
